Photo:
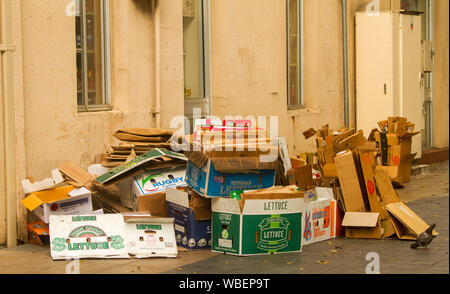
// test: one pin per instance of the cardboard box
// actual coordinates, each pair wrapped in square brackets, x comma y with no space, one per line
[38,233]
[192,215]
[407,224]
[149,237]
[219,176]
[317,221]
[349,181]
[362,225]
[88,236]
[64,200]
[111,236]
[270,224]
[148,189]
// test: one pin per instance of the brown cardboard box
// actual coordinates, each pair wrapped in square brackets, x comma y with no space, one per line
[406,223]
[349,181]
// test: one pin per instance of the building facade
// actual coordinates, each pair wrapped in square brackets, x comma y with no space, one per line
[80,70]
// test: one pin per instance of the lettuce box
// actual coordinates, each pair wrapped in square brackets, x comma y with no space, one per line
[192,214]
[111,236]
[257,224]
[212,176]
[63,200]
[148,189]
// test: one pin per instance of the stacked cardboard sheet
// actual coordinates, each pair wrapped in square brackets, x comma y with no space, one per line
[135,142]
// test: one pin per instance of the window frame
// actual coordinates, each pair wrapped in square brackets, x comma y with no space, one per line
[105,59]
[300,93]
[205,60]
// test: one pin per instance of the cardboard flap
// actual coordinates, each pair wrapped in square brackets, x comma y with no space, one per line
[146,132]
[360,219]
[36,199]
[387,193]
[198,158]
[147,219]
[76,174]
[240,163]
[202,213]
[32,202]
[408,218]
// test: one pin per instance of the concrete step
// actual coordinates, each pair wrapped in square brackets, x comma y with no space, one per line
[420,169]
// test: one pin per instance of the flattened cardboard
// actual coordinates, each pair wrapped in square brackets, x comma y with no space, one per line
[408,224]
[348,178]
[360,219]
[138,163]
[77,175]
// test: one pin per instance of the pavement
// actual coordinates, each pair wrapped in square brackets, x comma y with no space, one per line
[427,194]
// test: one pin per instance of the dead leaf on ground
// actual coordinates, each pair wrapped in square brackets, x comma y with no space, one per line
[179,268]
[301,269]
[338,247]
[322,261]
[334,251]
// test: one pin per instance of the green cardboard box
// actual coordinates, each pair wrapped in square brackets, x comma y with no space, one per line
[256,226]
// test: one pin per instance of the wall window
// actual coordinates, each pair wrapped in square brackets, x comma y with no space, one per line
[92,53]
[295,53]
[195,48]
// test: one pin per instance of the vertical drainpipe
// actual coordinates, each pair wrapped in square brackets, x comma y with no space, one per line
[157,109]
[6,51]
[345,56]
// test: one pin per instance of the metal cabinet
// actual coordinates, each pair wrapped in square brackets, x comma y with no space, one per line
[389,77]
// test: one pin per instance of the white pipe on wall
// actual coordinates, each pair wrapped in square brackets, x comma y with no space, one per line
[8,121]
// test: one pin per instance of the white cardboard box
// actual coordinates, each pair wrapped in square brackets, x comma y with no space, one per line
[111,236]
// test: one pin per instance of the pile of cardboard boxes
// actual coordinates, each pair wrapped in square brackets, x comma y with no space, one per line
[234,191]
[394,140]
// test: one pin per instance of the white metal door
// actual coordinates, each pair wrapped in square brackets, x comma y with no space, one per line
[373,70]
[412,80]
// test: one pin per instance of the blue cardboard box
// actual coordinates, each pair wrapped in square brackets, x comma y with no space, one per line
[192,218]
[217,177]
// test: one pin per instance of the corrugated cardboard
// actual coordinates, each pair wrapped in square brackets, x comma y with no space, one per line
[150,237]
[317,221]
[408,225]
[233,174]
[142,163]
[264,226]
[367,160]
[348,178]
[38,233]
[111,236]
[192,214]
[360,219]
[59,201]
